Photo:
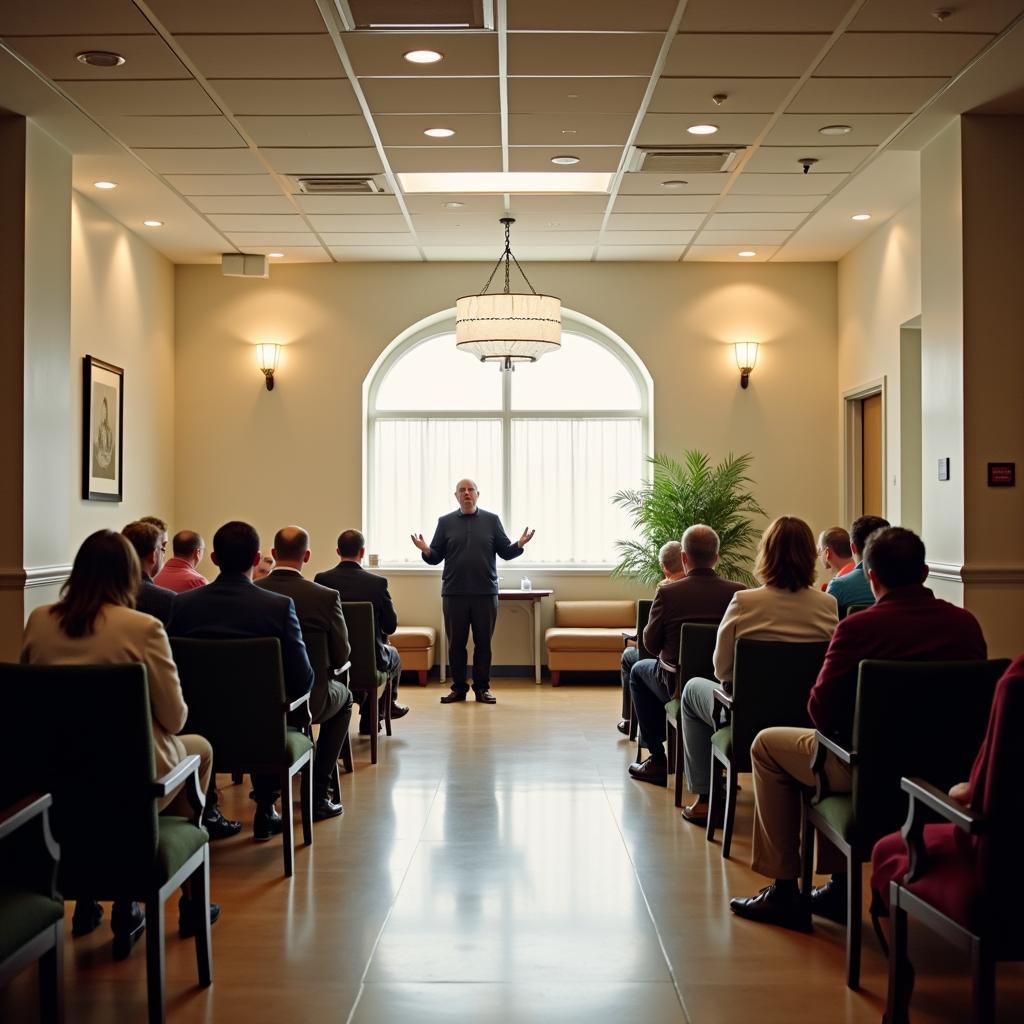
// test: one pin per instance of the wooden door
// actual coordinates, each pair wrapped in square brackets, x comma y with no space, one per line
[871,456]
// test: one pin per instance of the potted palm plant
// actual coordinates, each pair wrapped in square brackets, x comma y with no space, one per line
[681,494]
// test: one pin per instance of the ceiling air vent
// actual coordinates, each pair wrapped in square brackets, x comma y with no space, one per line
[681,159]
[417,15]
[337,184]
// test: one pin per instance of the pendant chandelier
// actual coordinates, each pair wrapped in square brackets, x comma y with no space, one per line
[508,327]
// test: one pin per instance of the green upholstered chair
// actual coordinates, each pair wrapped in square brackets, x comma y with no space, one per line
[236,699]
[643,616]
[771,682]
[696,659]
[921,718]
[83,734]
[316,649]
[31,908]
[853,608]
[365,679]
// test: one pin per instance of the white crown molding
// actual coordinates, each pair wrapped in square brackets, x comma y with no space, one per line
[18,578]
[989,575]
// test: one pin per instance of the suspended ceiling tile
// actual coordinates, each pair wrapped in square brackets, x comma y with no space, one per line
[538,158]
[274,224]
[359,222]
[640,183]
[754,221]
[587,16]
[107,17]
[376,205]
[335,238]
[787,184]
[554,207]
[663,204]
[273,238]
[569,129]
[545,253]
[224,184]
[446,158]
[891,55]
[146,57]
[324,160]
[462,236]
[751,238]
[226,16]
[493,206]
[727,254]
[864,95]
[671,129]
[104,98]
[527,222]
[242,204]
[641,253]
[576,95]
[175,132]
[646,237]
[275,96]
[524,238]
[576,54]
[431,95]
[293,254]
[804,129]
[738,56]
[470,129]
[916,16]
[742,95]
[654,221]
[758,16]
[785,159]
[263,56]
[440,220]
[375,253]
[201,161]
[295,131]
[377,54]
[461,253]
[767,204]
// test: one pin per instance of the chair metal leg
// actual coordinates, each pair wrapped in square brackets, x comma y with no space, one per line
[288,820]
[306,801]
[346,756]
[983,984]
[730,809]
[899,974]
[716,799]
[199,898]
[51,979]
[155,972]
[854,914]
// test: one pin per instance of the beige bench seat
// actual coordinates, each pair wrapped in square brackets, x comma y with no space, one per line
[416,646]
[587,636]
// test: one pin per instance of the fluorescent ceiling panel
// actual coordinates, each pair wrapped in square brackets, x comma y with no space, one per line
[497,182]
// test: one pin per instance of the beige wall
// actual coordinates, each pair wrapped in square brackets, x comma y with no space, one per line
[295,454]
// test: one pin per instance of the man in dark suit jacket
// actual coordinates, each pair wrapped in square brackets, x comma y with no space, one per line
[354,583]
[700,596]
[151,599]
[231,607]
[330,704]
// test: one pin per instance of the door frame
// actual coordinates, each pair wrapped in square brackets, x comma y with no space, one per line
[852,491]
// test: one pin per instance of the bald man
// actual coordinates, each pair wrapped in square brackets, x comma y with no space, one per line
[467,541]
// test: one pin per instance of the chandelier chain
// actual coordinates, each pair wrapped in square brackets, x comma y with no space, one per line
[508,258]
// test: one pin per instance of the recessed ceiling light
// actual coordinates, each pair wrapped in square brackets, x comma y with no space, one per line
[568,131]
[835,129]
[861,216]
[453,205]
[674,183]
[565,161]
[100,58]
[105,184]
[746,252]
[423,56]
[702,129]
[499,182]
[439,133]
[153,223]
[276,255]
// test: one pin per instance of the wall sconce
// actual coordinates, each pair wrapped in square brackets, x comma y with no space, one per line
[746,359]
[267,356]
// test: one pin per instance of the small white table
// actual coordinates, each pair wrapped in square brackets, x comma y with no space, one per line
[527,599]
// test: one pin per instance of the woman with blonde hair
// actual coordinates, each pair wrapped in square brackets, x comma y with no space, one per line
[787,606]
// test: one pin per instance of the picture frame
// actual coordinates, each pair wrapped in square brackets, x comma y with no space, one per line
[102,430]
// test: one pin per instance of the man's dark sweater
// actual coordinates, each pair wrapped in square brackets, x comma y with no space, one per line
[467,545]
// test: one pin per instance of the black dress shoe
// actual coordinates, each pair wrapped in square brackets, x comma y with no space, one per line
[650,771]
[788,908]
[325,807]
[486,697]
[399,711]
[697,812]
[623,726]
[87,916]
[829,900]
[187,924]
[453,696]
[128,922]
[266,824]
[220,827]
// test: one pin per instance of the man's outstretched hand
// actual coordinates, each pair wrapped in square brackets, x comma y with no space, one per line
[417,539]
[526,537]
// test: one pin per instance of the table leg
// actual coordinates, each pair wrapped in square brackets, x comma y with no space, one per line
[535,616]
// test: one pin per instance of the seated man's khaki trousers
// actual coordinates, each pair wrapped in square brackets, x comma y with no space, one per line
[177,803]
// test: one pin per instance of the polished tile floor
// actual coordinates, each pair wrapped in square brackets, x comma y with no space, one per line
[498,865]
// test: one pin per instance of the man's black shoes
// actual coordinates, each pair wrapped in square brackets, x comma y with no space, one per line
[785,906]
[485,697]
[128,922]
[266,824]
[651,771]
[324,807]
[829,900]
[623,726]
[399,711]
[219,827]
[87,916]
[453,697]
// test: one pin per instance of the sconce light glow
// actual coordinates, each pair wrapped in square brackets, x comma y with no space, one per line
[267,357]
[746,359]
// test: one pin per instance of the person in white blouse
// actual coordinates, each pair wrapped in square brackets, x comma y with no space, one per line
[786,607]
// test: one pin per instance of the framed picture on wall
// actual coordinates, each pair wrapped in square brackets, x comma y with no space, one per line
[102,430]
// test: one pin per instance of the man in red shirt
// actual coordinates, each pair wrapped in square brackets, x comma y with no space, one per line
[907,623]
[179,573]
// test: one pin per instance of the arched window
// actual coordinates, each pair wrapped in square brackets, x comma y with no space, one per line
[548,444]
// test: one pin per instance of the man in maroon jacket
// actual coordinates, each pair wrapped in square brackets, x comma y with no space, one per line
[907,623]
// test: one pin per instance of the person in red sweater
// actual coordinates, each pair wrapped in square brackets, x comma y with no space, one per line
[907,623]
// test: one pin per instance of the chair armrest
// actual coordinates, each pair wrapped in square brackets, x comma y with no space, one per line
[724,700]
[297,703]
[823,747]
[185,772]
[627,639]
[927,802]
[342,670]
[41,874]
[723,707]
[12,818]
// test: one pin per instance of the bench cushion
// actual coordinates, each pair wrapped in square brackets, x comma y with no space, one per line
[563,639]
[413,638]
[599,614]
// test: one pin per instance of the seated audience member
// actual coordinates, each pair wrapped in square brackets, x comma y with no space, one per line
[785,607]
[151,599]
[670,558]
[180,572]
[853,587]
[264,569]
[354,583]
[94,623]
[908,623]
[161,526]
[231,608]
[835,553]
[319,611]
[700,596]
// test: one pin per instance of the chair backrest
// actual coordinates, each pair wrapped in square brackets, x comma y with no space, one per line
[84,734]
[924,719]
[362,633]
[643,616]
[771,682]
[696,651]
[853,608]
[235,694]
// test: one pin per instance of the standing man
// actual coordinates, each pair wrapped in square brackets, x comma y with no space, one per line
[467,541]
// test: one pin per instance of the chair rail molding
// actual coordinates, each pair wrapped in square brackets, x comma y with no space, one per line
[24,578]
[990,574]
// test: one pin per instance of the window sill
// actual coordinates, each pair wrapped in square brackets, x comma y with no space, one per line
[515,569]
